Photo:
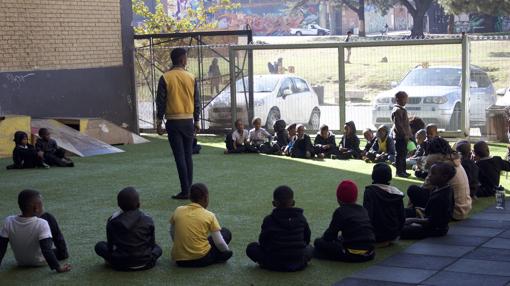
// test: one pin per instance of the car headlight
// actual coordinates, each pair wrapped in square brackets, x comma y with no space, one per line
[259,102]
[383,100]
[436,99]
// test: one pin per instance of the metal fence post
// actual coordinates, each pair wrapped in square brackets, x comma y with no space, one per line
[341,86]
[233,92]
[466,83]
[251,87]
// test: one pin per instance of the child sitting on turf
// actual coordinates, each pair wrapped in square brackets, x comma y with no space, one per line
[24,155]
[51,153]
[34,235]
[356,241]
[349,145]
[285,236]
[431,134]
[190,227]
[463,147]
[490,169]
[417,160]
[291,129]
[384,147]
[131,243]
[239,141]
[385,205]
[370,138]
[303,147]
[281,136]
[324,143]
[258,137]
[434,218]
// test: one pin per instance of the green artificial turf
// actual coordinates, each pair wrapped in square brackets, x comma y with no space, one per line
[240,186]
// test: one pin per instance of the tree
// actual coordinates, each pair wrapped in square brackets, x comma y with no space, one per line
[198,18]
[417,9]
[489,7]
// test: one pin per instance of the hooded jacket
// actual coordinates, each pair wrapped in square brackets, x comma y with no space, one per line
[352,220]
[330,140]
[351,141]
[285,233]
[385,207]
[130,238]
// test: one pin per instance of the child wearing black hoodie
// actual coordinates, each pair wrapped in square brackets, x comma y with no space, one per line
[24,155]
[490,169]
[303,147]
[349,145]
[52,154]
[463,147]
[385,205]
[356,241]
[131,244]
[324,143]
[284,240]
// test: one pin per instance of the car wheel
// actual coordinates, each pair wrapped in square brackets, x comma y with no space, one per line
[320,33]
[298,33]
[273,115]
[315,119]
[455,119]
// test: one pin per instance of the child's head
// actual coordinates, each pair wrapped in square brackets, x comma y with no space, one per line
[381,174]
[416,123]
[283,197]
[292,129]
[441,173]
[300,128]
[382,132]
[256,122]
[30,203]
[481,149]
[463,147]
[239,125]
[44,133]
[324,130]
[349,33]
[128,199]
[20,138]
[431,131]
[368,134]
[347,192]
[350,129]
[401,98]
[439,145]
[420,136]
[215,61]
[199,194]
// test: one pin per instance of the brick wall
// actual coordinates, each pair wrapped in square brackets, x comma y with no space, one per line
[59,34]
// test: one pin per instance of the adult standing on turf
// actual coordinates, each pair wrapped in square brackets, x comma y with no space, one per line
[178,101]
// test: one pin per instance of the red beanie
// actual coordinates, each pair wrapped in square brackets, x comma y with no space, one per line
[347,192]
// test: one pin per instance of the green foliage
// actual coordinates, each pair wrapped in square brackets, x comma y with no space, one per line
[161,22]
[489,7]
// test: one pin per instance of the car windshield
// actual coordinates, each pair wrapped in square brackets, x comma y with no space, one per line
[262,84]
[433,77]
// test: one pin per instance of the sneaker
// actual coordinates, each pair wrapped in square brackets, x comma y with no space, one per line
[45,166]
[404,175]
[180,196]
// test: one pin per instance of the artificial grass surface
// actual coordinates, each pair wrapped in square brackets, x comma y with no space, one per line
[240,186]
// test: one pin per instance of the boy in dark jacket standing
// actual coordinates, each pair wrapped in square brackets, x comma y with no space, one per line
[401,132]
[130,244]
[385,205]
[285,236]
[490,169]
[356,243]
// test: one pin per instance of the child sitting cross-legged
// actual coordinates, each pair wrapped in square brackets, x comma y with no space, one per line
[463,147]
[324,143]
[303,147]
[385,205]
[285,236]
[34,235]
[24,154]
[384,147]
[417,160]
[131,243]
[291,130]
[238,143]
[490,169]
[356,241]
[51,153]
[368,134]
[349,145]
[259,138]
[198,238]
[434,218]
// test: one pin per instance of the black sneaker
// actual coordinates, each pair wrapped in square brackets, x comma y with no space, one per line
[180,196]
[404,175]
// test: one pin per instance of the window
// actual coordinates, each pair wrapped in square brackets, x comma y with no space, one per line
[286,84]
[481,79]
[301,85]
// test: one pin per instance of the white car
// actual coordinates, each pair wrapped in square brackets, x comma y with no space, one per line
[276,96]
[435,96]
[310,30]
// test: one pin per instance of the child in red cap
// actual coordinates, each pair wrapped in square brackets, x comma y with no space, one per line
[356,241]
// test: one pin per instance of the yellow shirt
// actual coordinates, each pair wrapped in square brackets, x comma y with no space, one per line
[180,87]
[383,146]
[192,225]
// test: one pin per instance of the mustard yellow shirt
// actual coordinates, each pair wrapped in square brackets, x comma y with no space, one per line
[383,145]
[192,225]
[180,86]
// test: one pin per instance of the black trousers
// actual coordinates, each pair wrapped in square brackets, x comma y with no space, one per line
[213,256]
[57,237]
[180,136]
[102,250]
[418,231]
[335,250]
[55,159]
[401,155]
[284,263]
[418,196]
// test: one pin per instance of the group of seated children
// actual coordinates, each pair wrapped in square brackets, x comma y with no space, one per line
[46,152]
[284,243]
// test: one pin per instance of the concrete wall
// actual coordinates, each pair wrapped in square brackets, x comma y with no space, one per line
[67,58]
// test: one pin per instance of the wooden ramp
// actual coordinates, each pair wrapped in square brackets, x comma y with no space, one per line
[9,124]
[72,140]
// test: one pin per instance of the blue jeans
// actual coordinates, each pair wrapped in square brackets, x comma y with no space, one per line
[180,135]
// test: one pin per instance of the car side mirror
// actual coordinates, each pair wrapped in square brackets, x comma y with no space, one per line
[473,84]
[501,91]
[393,84]
[286,92]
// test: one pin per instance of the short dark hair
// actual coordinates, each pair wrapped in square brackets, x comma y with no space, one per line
[463,147]
[447,170]
[176,55]
[198,192]
[19,136]
[481,149]
[128,199]
[401,94]
[324,127]
[26,199]
[381,174]
[416,124]
[43,131]
[238,121]
[439,145]
[255,120]
[283,195]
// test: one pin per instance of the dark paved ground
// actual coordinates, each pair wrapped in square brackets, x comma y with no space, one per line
[475,252]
